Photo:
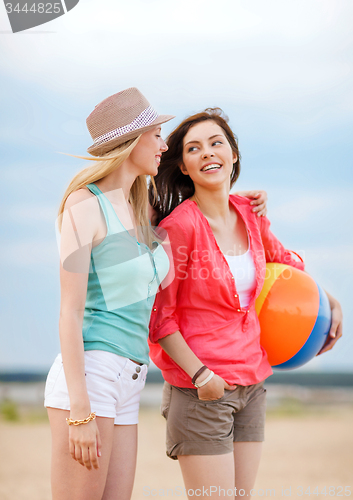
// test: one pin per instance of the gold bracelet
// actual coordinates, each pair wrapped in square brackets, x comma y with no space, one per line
[90,417]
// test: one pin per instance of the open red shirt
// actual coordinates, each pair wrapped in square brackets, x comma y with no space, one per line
[202,301]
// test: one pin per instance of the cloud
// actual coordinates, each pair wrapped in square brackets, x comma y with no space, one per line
[283,56]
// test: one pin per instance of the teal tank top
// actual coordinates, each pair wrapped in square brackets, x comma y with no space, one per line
[123,279]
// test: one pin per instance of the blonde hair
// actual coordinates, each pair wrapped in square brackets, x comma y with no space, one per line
[138,196]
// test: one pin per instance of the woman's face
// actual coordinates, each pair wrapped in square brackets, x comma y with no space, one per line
[146,155]
[207,155]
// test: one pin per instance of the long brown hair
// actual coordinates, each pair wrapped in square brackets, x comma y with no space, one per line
[171,186]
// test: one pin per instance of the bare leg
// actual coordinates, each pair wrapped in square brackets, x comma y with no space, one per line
[246,462]
[70,480]
[122,465]
[211,475]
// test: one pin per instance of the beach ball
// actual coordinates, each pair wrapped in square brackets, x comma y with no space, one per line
[294,314]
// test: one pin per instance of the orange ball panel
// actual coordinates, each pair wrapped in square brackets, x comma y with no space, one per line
[288,315]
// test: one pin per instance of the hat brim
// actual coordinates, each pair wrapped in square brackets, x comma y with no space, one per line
[101,149]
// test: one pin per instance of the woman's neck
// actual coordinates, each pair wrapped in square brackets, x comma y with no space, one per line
[213,204]
[119,179]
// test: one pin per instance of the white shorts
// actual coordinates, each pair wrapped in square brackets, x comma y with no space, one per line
[114,384]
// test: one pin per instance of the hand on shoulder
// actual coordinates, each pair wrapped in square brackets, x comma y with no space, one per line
[257,199]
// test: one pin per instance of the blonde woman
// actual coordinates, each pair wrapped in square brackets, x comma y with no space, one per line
[111,266]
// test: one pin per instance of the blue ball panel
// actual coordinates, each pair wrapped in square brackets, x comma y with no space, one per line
[316,339]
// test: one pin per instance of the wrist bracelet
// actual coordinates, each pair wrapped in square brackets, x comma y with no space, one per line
[204,382]
[198,373]
[90,417]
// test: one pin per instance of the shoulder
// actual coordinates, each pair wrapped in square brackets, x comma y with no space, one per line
[242,204]
[183,216]
[82,198]
[81,211]
[240,200]
[181,224]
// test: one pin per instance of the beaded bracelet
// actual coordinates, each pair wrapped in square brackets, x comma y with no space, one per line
[90,417]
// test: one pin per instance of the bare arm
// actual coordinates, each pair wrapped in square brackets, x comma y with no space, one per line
[176,347]
[78,230]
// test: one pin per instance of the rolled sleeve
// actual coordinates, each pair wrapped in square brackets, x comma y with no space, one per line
[164,318]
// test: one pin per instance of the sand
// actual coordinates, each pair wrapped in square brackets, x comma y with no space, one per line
[301,451]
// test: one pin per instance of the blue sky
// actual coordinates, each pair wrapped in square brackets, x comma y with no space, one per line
[282,71]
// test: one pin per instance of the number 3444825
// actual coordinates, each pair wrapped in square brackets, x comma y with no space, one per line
[332,491]
[37,7]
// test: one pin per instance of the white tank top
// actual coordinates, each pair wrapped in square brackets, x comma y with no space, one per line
[244,272]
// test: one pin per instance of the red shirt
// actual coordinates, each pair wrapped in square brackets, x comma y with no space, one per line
[202,301]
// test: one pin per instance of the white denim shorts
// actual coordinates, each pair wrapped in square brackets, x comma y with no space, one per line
[114,384]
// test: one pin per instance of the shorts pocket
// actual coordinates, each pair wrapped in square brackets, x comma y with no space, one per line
[208,402]
[166,397]
[53,375]
[212,401]
[100,367]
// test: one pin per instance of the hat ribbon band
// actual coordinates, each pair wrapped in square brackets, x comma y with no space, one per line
[142,120]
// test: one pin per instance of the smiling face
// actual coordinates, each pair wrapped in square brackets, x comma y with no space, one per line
[207,155]
[146,155]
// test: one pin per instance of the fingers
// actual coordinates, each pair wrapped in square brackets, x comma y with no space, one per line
[230,387]
[214,389]
[72,449]
[93,458]
[261,211]
[78,454]
[251,194]
[86,458]
[259,202]
[332,338]
[99,445]
[328,346]
[336,323]
[258,197]
[86,455]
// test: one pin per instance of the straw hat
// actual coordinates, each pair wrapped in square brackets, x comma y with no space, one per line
[121,117]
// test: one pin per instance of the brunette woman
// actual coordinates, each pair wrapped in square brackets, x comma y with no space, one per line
[204,330]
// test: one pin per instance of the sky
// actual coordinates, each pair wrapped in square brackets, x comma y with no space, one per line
[282,72]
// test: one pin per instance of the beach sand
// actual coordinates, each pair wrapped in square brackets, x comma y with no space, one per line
[304,450]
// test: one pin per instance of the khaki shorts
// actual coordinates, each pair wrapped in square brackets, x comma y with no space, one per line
[196,427]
